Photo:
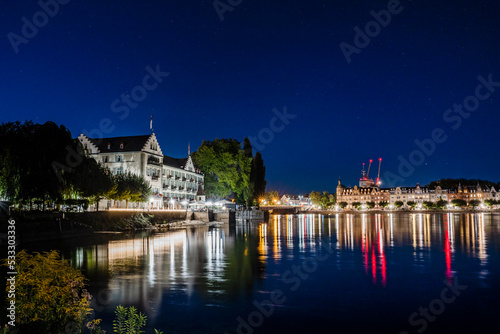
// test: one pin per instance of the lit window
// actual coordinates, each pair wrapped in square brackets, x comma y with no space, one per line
[109,146]
[118,158]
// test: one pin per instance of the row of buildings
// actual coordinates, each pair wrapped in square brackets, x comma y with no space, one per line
[174,182]
[415,194]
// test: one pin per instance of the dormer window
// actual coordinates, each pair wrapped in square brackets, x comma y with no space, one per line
[109,146]
[121,146]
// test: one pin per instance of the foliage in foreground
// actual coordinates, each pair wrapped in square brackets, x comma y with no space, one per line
[50,298]
[128,321]
[50,295]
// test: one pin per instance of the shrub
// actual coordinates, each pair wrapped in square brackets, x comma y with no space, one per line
[50,295]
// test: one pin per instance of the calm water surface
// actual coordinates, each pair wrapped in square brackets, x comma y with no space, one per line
[345,273]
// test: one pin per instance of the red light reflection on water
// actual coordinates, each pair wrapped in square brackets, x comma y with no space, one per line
[376,247]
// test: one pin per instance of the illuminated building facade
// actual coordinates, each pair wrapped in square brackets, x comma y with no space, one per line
[172,180]
[415,194]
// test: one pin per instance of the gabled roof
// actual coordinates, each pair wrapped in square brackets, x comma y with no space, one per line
[174,162]
[130,143]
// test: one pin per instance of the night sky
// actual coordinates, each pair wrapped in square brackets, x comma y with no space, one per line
[227,76]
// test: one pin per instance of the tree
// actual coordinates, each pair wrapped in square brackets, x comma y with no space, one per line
[356,205]
[459,203]
[343,205]
[130,188]
[226,168]
[383,204]
[247,148]
[50,294]
[370,205]
[315,197]
[323,200]
[257,177]
[453,183]
[428,205]
[93,181]
[412,204]
[398,204]
[271,196]
[474,203]
[489,203]
[441,204]
[41,172]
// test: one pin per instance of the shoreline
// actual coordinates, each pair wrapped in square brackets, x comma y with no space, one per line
[57,226]
[330,212]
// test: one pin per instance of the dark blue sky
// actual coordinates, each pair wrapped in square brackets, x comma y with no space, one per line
[226,77]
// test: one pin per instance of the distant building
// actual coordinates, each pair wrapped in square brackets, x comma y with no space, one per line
[172,180]
[415,194]
[292,200]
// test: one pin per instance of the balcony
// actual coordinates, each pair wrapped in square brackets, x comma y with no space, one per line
[174,187]
[155,177]
[170,176]
[183,179]
[154,161]
[177,177]
[181,188]
[166,186]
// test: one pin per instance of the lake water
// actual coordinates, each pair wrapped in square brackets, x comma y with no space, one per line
[339,273]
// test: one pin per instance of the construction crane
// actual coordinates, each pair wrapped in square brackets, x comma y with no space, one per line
[378,176]
[368,173]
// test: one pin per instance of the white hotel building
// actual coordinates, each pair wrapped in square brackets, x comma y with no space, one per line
[172,180]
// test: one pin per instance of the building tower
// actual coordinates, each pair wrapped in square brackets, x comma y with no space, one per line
[200,195]
[340,190]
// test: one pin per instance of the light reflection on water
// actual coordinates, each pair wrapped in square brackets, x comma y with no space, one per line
[218,272]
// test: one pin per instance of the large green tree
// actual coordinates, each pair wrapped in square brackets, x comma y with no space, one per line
[226,167]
